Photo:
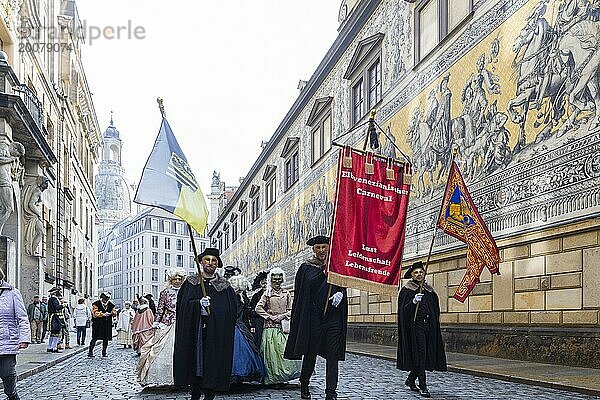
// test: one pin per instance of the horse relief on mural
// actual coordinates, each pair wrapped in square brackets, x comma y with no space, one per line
[554,96]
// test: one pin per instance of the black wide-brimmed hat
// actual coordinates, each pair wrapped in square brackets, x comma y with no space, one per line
[319,239]
[55,289]
[105,295]
[230,270]
[210,251]
[261,276]
[418,264]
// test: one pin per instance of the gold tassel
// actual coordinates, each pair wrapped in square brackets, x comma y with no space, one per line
[369,167]
[347,157]
[389,170]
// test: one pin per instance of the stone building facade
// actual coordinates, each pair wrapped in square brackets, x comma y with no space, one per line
[46,106]
[512,86]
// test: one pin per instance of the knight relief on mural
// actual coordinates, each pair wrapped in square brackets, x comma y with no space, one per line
[553,86]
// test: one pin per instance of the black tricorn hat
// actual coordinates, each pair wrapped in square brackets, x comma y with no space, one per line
[318,240]
[418,264]
[261,276]
[230,270]
[105,295]
[210,251]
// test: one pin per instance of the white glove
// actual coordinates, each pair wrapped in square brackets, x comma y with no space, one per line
[156,325]
[205,301]
[418,298]
[336,299]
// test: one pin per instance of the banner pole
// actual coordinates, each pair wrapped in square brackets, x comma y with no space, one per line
[426,265]
[198,265]
[454,153]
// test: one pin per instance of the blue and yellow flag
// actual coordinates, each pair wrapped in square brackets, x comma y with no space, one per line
[168,182]
[459,218]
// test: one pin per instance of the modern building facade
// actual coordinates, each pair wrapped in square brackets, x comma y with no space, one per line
[513,86]
[46,110]
[136,253]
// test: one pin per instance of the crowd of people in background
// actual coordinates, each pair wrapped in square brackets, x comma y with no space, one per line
[213,329]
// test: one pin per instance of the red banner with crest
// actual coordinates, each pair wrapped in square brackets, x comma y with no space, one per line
[459,218]
[369,222]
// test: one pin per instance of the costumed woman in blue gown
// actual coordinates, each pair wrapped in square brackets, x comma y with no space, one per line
[248,365]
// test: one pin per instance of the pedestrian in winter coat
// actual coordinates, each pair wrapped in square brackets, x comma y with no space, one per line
[45,311]
[14,335]
[35,313]
[82,316]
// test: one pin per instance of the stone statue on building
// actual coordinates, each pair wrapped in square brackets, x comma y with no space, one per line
[10,154]
[216,178]
[32,213]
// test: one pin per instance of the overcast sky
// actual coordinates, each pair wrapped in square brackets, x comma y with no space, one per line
[227,71]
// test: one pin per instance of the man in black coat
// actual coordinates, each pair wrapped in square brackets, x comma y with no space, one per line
[319,320]
[204,331]
[103,311]
[420,345]
[56,319]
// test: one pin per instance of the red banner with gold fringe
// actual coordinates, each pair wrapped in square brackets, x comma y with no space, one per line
[369,222]
[459,218]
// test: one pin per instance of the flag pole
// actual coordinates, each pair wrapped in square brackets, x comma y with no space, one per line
[454,152]
[426,265]
[161,107]
[202,286]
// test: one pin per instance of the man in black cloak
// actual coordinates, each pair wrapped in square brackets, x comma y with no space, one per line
[319,320]
[103,311]
[420,345]
[204,331]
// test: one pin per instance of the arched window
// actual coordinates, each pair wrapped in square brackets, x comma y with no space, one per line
[114,153]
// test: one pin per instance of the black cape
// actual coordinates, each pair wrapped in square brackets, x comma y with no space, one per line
[102,326]
[198,358]
[256,321]
[407,347]
[310,296]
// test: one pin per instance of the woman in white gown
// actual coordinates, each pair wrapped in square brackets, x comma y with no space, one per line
[124,325]
[155,366]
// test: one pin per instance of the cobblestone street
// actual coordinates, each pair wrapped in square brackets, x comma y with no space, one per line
[360,378]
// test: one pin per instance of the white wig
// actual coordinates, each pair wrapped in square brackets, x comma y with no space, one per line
[274,271]
[239,283]
[174,272]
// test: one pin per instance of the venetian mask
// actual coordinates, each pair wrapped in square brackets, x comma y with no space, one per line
[276,281]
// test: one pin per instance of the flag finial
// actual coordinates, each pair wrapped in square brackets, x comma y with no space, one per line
[161,107]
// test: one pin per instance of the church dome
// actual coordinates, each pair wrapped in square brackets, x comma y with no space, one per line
[113,195]
[111,132]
